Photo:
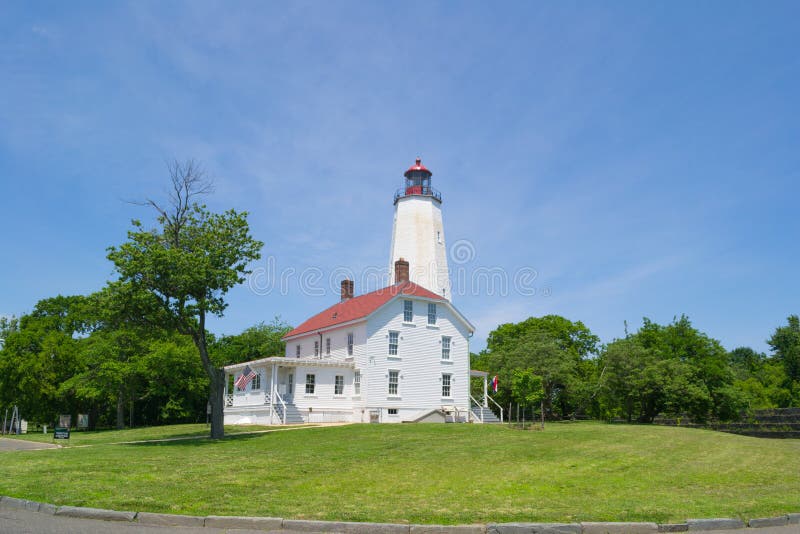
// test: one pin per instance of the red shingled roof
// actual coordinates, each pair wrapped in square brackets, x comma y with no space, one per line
[361,306]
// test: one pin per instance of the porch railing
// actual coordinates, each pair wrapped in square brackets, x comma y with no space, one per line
[480,408]
[283,407]
[495,403]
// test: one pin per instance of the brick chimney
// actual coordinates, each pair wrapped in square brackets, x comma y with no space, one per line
[400,271]
[347,289]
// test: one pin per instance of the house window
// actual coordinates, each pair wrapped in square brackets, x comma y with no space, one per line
[445,348]
[392,411]
[408,311]
[393,338]
[310,382]
[255,385]
[291,383]
[338,386]
[316,349]
[394,379]
[297,351]
[357,383]
[446,385]
[328,346]
[431,313]
[350,344]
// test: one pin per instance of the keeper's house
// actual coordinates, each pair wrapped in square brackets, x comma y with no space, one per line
[397,354]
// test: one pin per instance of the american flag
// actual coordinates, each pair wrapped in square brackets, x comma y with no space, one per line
[245,378]
[494,384]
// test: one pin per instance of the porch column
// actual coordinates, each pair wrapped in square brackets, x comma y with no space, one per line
[485,393]
[273,384]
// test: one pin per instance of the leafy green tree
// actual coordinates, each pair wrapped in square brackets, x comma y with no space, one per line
[555,348]
[672,369]
[40,354]
[527,388]
[8,325]
[187,264]
[259,341]
[785,343]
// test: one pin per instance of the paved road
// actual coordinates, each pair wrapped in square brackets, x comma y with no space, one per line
[24,522]
[22,445]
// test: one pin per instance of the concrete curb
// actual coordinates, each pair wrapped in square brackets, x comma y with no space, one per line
[169,520]
[533,528]
[348,527]
[619,528]
[12,503]
[715,524]
[769,522]
[95,513]
[673,527]
[249,523]
[444,529]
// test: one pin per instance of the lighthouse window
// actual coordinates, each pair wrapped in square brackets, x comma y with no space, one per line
[431,313]
[446,381]
[438,236]
[394,380]
[445,348]
[408,311]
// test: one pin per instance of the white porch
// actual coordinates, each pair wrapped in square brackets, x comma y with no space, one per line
[480,410]
[272,398]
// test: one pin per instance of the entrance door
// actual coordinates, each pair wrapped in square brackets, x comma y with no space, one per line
[286,388]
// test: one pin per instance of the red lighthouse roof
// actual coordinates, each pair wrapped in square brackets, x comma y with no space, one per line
[418,166]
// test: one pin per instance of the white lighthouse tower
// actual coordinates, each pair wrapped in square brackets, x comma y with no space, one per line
[418,233]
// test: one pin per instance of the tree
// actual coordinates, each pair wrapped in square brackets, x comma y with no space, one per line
[527,389]
[554,347]
[785,343]
[259,341]
[40,354]
[186,265]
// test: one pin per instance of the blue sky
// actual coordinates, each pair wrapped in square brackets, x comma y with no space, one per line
[641,157]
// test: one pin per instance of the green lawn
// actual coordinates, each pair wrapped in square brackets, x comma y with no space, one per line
[135,434]
[428,474]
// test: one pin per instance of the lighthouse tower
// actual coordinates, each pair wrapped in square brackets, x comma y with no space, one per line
[418,232]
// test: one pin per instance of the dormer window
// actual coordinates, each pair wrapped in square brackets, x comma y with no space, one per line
[408,311]
[431,313]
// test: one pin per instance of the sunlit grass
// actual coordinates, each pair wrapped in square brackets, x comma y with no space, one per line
[427,473]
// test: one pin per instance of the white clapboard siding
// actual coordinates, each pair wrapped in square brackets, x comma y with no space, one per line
[419,359]
[338,337]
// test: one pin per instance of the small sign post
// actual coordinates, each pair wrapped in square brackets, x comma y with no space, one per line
[61,432]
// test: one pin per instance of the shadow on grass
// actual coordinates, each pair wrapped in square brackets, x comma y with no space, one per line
[197,441]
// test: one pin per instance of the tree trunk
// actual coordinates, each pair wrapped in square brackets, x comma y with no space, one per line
[120,409]
[216,380]
[216,391]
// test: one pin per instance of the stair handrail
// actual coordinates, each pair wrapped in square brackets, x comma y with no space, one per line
[495,403]
[479,405]
[283,406]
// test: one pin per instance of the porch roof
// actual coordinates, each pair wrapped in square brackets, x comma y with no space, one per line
[292,362]
[473,372]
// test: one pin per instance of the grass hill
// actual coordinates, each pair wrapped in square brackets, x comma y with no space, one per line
[425,474]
